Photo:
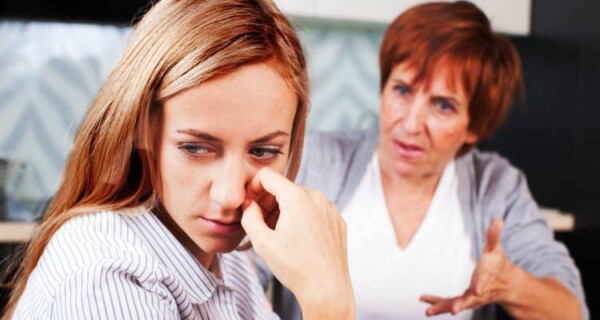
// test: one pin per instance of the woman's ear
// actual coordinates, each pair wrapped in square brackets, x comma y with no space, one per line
[472,138]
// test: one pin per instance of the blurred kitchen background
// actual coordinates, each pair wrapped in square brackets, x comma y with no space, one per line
[54,55]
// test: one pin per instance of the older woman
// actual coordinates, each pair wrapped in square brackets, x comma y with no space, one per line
[435,226]
[181,151]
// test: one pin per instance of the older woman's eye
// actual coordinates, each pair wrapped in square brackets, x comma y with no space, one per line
[402,89]
[445,105]
[264,153]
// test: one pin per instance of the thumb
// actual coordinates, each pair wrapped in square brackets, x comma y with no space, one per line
[493,235]
[253,222]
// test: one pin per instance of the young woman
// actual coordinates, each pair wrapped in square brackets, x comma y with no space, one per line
[182,152]
[434,226]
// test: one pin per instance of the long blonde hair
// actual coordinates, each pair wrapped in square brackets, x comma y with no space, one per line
[177,45]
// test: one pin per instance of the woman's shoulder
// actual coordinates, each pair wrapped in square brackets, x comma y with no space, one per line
[487,161]
[340,141]
[334,162]
[335,153]
[489,171]
[91,260]
[94,241]
[496,188]
[107,231]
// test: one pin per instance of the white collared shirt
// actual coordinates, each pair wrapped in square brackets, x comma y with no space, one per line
[111,265]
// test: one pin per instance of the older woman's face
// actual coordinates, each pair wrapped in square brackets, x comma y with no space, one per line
[211,142]
[421,129]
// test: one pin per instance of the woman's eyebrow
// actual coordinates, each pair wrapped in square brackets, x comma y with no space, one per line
[398,80]
[205,136]
[448,98]
[199,134]
[270,136]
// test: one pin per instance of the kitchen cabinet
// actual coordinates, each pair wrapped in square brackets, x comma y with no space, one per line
[507,16]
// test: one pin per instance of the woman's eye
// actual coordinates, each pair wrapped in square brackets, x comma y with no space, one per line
[263,153]
[445,106]
[402,89]
[194,149]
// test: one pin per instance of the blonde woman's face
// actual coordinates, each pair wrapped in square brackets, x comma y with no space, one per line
[212,140]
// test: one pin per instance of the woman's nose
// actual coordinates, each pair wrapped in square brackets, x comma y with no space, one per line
[228,187]
[414,117]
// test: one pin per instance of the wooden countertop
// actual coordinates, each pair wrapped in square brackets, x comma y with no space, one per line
[16,231]
[21,231]
[559,221]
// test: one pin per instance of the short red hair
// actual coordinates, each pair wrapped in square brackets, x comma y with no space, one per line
[485,64]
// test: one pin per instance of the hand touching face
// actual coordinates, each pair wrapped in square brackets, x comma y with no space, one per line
[303,242]
[211,141]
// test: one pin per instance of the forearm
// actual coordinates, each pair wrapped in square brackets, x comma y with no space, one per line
[528,297]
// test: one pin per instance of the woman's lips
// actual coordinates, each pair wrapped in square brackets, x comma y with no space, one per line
[408,151]
[222,227]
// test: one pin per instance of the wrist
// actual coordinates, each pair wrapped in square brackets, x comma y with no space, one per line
[327,304]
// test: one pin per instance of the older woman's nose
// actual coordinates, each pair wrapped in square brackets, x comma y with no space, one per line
[414,117]
[228,186]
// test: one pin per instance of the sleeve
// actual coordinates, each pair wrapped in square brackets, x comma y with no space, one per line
[527,239]
[310,141]
[107,290]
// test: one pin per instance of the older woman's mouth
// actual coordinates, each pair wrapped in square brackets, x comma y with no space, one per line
[408,151]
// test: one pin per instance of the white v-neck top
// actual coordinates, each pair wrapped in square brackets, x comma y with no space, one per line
[439,260]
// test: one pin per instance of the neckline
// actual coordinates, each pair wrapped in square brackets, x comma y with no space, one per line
[439,195]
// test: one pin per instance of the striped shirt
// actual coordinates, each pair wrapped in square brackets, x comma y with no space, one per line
[128,265]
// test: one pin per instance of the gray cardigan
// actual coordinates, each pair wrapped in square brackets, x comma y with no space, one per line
[489,188]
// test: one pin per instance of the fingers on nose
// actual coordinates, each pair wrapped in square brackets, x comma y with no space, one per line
[229,190]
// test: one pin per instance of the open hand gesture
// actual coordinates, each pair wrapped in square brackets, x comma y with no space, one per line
[489,281]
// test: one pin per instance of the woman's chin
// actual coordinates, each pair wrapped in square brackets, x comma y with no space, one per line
[407,170]
[214,246]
